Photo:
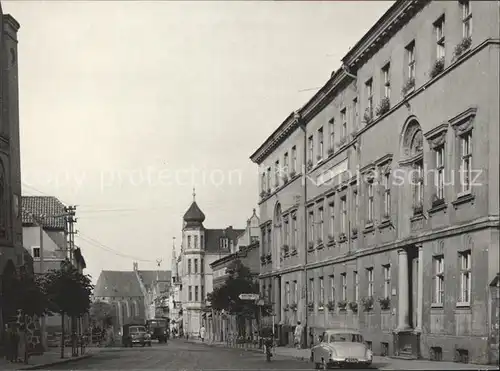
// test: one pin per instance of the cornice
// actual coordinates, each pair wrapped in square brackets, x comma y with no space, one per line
[463,122]
[437,136]
[383,30]
[384,160]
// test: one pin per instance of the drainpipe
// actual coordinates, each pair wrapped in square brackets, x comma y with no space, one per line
[302,126]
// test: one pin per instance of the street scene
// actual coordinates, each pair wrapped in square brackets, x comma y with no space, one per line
[249,185]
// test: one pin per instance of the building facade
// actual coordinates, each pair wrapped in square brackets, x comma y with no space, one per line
[379,197]
[11,240]
[200,247]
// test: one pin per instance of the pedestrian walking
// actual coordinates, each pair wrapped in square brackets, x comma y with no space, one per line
[22,346]
[14,339]
[297,335]
[202,333]
[8,343]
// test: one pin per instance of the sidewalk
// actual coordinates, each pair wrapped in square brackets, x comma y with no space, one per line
[382,363]
[50,358]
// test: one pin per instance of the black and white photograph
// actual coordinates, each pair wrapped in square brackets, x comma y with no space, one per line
[209,185]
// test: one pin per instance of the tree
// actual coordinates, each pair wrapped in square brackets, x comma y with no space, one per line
[102,313]
[68,292]
[31,298]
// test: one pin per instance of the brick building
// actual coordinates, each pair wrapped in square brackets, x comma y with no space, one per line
[395,227]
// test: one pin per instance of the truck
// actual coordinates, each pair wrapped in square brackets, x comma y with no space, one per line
[158,328]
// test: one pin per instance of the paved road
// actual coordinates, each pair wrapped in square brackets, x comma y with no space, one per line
[182,356]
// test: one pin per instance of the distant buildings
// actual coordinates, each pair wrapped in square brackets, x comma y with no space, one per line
[136,295]
[200,247]
[396,231]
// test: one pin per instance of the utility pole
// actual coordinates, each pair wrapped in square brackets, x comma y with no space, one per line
[70,222]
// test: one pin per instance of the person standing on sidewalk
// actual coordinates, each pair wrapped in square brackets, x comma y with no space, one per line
[14,341]
[297,335]
[202,333]
[22,346]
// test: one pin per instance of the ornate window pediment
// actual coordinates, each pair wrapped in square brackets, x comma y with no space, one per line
[463,122]
[437,136]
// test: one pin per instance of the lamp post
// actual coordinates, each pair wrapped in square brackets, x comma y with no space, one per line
[298,118]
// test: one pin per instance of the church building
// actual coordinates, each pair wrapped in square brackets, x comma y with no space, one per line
[200,247]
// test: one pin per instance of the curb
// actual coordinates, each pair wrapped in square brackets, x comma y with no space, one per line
[59,362]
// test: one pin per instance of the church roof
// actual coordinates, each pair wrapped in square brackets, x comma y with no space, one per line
[118,283]
[194,214]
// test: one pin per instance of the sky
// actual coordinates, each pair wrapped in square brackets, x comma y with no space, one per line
[126,106]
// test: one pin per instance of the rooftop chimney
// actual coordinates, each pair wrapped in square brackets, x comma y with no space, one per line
[136,267]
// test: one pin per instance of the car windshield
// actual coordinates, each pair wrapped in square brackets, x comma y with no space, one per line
[135,330]
[154,324]
[346,338]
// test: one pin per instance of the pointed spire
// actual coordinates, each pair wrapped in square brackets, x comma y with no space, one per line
[194,194]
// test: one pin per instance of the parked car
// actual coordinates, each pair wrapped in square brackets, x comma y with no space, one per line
[135,334]
[341,347]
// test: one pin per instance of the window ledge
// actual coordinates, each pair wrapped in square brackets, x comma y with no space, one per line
[321,309]
[439,207]
[387,222]
[463,198]
[463,305]
[320,246]
[331,243]
[416,217]
[369,228]
[436,306]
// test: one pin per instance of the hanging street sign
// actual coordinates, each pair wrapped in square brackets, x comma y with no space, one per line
[249,296]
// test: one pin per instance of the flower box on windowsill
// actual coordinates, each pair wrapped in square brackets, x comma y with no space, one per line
[383,107]
[354,134]
[353,306]
[367,303]
[408,86]
[342,237]
[309,165]
[285,179]
[286,308]
[319,158]
[437,67]
[263,259]
[330,151]
[463,46]
[269,258]
[310,245]
[321,307]
[438,204]
[319,243]
[331,239]
[310,306]
[385,303]
[418,209]
[463,198]
[292,174]
[354,232]
[293,307]
[330,306]
[367,117]
[342,305]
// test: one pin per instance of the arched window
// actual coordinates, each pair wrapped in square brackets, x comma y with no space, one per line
[412,155]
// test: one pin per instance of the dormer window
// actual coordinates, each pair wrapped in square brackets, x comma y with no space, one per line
[224,243]
[36,252]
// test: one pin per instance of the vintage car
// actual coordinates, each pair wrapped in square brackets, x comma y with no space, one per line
[135,334]
[341,347]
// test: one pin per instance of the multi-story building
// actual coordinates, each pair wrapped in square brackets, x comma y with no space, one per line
[379,197]
[174,301]
[200,247]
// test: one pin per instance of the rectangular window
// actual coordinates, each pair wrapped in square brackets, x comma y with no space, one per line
[189,266]
[343,204]
[294,159]
[369,97]
[439,31]
[268,182]
[285,163]
[466,19]
[321,220]
[356,286]
[189,242]
[343,120]
[311,148]
[355,112]
[264,240]
[295,292]
[201,242]
[343,278]
[36,252]
[387,281]
[263,182]
[294,229]
[410,55]
[202,266]
[321,291]
[331,126]
[332,288]
[320,144]
[195,266]
[196,293]
[387,195]
[202,295]
[465,277]
[277,172]
[370,201]
[466,161]
[386,75]
[311,290]
[190,293]
[269,239]
[287,293]
[195,242]
[438,297]
[311,225]
[331,228]
[369,273]
[270,293]
[439,152]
